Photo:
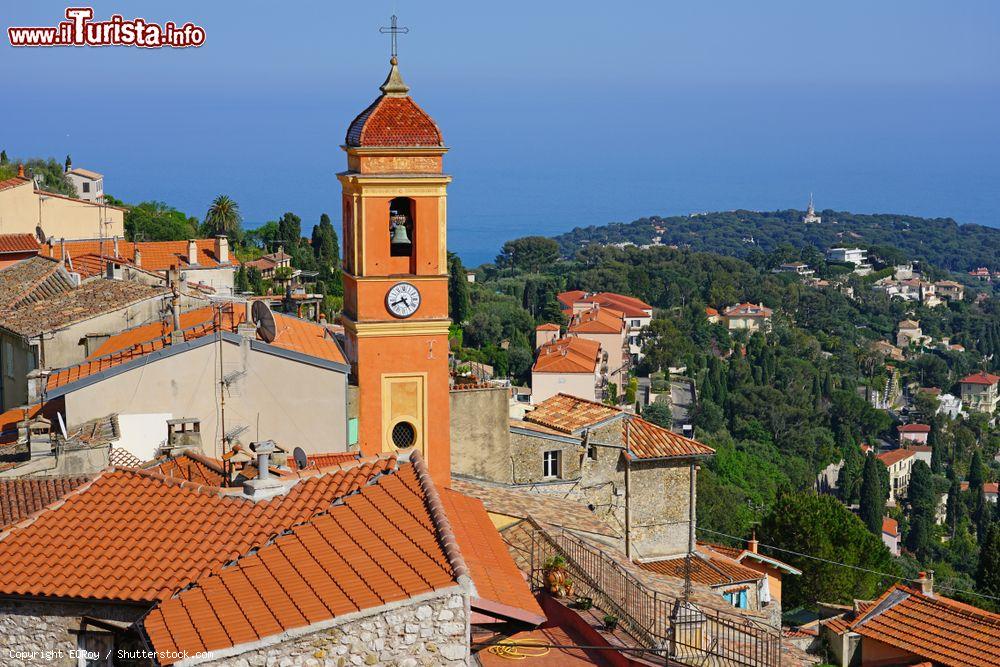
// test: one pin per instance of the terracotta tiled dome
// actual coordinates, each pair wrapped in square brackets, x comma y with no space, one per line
[394,119]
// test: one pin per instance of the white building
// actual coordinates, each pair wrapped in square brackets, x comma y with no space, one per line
[89,185]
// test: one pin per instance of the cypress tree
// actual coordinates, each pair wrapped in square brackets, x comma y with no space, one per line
[817,394]
[922,507]
[458,291]
[955,507]
[976,472]
[3,157]
[872,495]
[988,572]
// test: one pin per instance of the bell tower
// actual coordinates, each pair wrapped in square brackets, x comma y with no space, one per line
[396,276]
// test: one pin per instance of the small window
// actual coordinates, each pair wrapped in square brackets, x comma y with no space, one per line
[404,435]
[736,598]
[592,452]
[551,464]
[86,186]
[636,323]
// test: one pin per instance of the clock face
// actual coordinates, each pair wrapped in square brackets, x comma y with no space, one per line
[402,300]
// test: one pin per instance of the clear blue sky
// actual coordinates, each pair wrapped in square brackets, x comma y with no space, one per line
[877,105]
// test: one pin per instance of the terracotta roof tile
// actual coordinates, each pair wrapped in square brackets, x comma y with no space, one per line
[570,297]
[30,280]
[378,546]
[748,310]
[546,508]
[598,320]
[18,243]
[548,326]
[914,428]
[496,577]
[13,182]
[330,459]
[981,378]
[708,567]
[393,121]
[155,255]
[569,414]
[123,458]
[649,441]
[20,498]
[180,531]
[936,628]
[568,355]
[628,305]
[192,467]
[894,456]
[10,419]
[292,334]
[890,526]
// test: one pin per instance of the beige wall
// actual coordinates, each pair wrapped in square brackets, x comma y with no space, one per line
[480,439]
[221,279]
[547,385]
[615,346]
[22,210]
[296,404]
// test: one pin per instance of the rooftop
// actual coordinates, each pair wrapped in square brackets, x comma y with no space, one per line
[894,456]
[648,441]
[598,320]
[748,310]
[981,377]
[568,355]
[293,334]
[393,119]
[18,243]
[61,309]
[20,498]
[570,414]
[707,567]
[934,627]
[628,305]
[154,255]
[914,428]
[890,526]
[32,279]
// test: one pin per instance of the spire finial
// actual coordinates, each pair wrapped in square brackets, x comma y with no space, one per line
[394,86]
[393,30]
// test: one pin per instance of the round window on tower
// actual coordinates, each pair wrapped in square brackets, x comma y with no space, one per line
[404,435]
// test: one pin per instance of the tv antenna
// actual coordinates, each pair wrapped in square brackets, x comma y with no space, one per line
[264,319]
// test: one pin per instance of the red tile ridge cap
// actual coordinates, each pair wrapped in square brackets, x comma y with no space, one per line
[55,504]
[441,523]
[307,473]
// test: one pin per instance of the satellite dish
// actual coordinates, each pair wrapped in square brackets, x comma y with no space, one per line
[301,460]
[264,320]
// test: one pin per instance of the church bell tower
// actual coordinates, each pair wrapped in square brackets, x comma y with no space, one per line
[396,276]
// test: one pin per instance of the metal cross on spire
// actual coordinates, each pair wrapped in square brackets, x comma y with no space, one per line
[393,30]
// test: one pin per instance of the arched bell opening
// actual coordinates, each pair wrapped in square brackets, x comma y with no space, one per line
[402,239]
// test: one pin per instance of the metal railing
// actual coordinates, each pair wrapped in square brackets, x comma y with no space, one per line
[672,630]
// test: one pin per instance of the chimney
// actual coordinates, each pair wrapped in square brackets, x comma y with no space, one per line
[36,385]
[926,582]
[183,434]
[137,257]
[752,543]
[222,249]
[39,437]
[20,171]
[263,486]
[192,252]
[176,336]
[115,240]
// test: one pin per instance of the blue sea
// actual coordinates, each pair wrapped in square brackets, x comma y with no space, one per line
[546,160]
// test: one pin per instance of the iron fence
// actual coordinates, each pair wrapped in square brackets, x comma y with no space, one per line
[673,630]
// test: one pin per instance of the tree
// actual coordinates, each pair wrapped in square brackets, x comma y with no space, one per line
[872,495]
[822,527]
[458,290]
[658,412]
[223,217]
[923,506]
[988,572]
[290,231]
[530,253]
[325,244]
[156,221]
[849,479]
[976,472]
[3,157]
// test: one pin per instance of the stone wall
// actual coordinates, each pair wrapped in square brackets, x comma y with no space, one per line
[526,453]
[480,440]
[660,506]
[34,632]
[429,631]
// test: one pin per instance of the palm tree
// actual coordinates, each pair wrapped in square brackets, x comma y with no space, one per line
[223,216]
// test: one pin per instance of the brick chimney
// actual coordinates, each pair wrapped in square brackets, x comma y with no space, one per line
[752,543]
[20,171]
[926,581]
[36,384]
[222,249]
[192,252]
[137,257]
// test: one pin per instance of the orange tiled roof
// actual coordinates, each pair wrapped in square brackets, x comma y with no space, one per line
[707,568]
[140,535]
[567,355]
[740,554]
[649,441]
[570,297]
[500,585]
[393,121]
[548,326]
[628,305]
[748,310]
[981,377]
[890,526]
[382,544]
[711,312]
[30,280]
[937,628]
[914,428]
[894,456]
[123,458]
[20,498]
[10,419]
[155,255]
[13,182]
[598,320]
[192,467]
[293,334]
[330,459]
[568,414]
[18,243]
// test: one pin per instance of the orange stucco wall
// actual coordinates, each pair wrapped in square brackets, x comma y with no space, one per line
[426,232]
[876,654]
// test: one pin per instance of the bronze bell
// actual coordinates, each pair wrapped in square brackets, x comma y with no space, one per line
[399,235]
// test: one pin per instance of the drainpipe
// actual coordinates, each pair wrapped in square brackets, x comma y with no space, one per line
[692,500]
[628,494]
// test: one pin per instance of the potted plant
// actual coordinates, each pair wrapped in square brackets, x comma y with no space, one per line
[610,622]
[555,574]
[568,587]
[584,603]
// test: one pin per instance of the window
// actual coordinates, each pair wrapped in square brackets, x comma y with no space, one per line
[404,435]
[86,186]
[8,359]
[736,598]
[401,228]
[551,464]
[592,452]
[636,323]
